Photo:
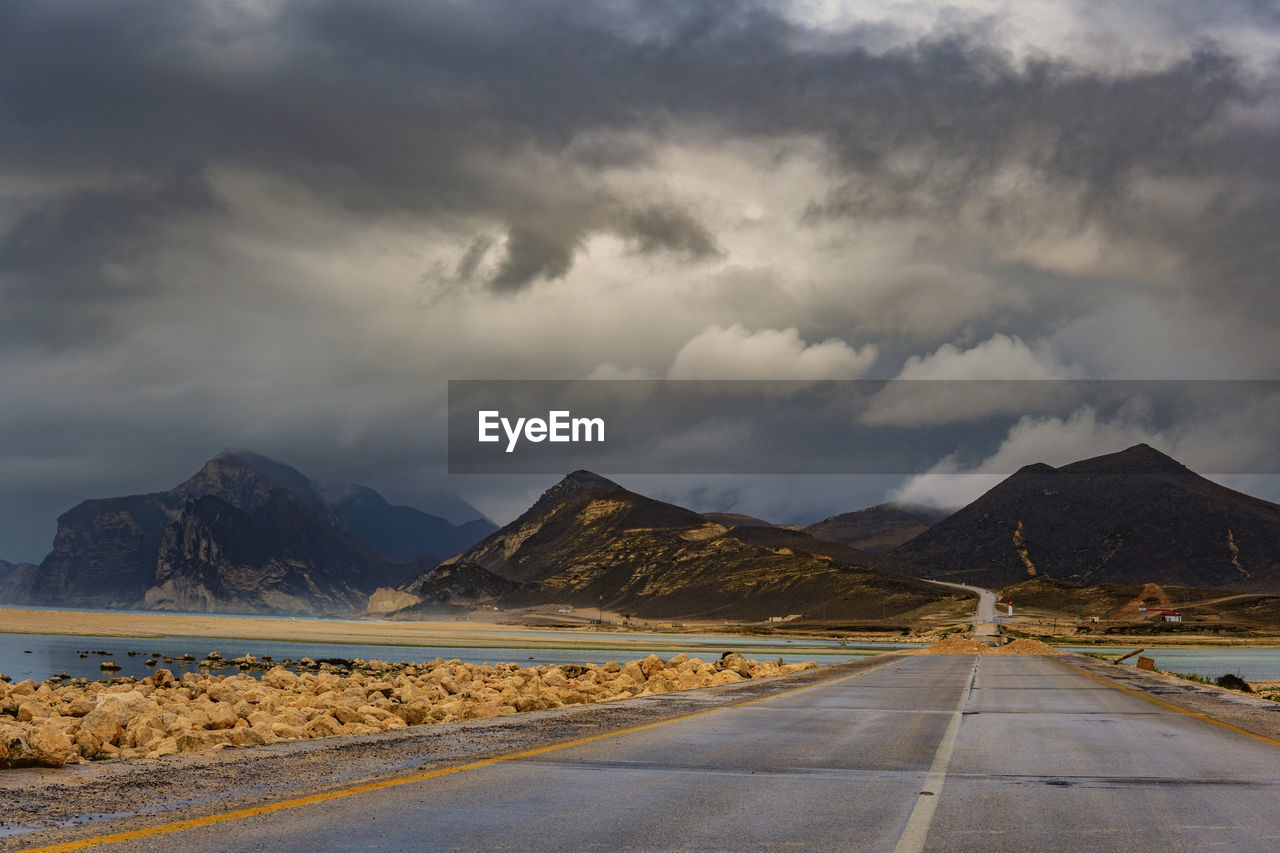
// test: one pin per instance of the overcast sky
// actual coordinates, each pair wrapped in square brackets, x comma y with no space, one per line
[284,225]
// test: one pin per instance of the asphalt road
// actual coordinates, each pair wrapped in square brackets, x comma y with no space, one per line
[985,622]
[946,753]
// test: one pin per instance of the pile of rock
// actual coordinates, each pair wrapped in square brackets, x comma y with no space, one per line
[1027,646]
[956,646]
[52,724]
[964,646]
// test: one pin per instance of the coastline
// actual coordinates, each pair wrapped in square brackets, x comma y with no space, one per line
[443,634]
[482,634]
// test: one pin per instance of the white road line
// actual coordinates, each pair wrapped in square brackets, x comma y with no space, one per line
[912,840]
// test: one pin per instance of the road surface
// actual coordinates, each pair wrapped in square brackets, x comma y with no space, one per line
[932,752]
[986,625]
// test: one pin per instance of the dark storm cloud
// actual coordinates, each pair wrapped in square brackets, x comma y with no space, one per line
[666,227]
[385,106]
[471,259]
[972,114]
[62,261]
[535,253]
[52,244]
[517,132]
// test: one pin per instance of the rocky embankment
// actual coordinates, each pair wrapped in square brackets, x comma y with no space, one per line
[52,724]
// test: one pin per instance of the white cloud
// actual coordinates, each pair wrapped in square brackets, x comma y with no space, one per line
[924,299]
[609,370]
[1052,440]
[999,357]
[948,491]
[933,389]
[1059,441]
[734,352]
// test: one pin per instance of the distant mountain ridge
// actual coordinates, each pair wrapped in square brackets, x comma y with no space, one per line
[588,542]
[11,574]
[878,528]
[1136,516]
[107,552]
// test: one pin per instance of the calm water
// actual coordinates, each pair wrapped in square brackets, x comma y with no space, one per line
[1249,664]
[40,656]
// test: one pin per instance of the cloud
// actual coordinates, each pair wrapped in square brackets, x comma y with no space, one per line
[285,225]
[1054,441]
[1000,357]
[71,254]
[533,253]
[666,227]
[734,352]
[943,488]
[1000,376]
[921,300]
[611,371]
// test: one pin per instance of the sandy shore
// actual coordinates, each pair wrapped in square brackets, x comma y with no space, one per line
[447,634]
[95,623]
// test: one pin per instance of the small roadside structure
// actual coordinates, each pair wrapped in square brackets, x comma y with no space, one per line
[1172,616]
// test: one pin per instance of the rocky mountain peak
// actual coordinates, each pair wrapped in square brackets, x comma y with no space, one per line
[245,479]
[587,478]
[574,487]
[1035,468]
[1139,459]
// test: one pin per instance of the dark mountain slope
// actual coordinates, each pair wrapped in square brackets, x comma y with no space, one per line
[401,532]
[1136,516]
[13,576]
[280,557]
[878,528]
[104,554]
[457,584]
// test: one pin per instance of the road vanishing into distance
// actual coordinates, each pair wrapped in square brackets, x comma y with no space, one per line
[924,752]
[986,627]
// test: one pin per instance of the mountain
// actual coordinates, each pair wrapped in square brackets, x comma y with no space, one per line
[106,552]
[399,532]
[878,528]
[1136,516]
[457,584]
[12,575]
[1119,607]
[244,479]
[589,542]
[281,557]
[448,506]
[735,519]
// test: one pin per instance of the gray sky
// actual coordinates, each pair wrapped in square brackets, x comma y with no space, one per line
[283,225]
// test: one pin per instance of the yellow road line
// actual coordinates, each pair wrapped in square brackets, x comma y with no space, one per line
[1165,704]
[297,802]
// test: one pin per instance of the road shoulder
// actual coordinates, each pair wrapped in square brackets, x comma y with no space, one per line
[1260,717]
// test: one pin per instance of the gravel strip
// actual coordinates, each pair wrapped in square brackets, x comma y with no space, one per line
[40,806]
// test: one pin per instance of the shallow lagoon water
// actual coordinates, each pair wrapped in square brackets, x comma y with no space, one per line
[41,656]
[1251,664]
